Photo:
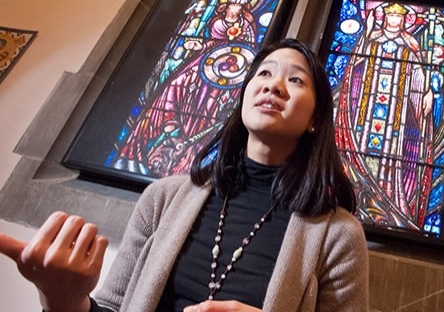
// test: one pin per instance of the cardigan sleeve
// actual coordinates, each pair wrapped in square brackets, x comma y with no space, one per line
[134,244]
[95,307]
[343,273]
[122,278]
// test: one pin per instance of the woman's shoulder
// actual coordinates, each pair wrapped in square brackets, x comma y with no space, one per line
[167,188]
[170,193]
[346,228]
[337,217]
[336,225]
[341,215]
[171,182]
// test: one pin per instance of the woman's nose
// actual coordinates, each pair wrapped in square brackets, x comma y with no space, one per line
[276,86]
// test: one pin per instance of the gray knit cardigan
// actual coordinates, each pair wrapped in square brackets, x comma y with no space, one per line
[322,264]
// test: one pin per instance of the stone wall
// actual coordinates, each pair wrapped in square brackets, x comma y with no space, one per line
[406,277]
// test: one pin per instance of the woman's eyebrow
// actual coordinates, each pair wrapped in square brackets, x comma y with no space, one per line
[293,65]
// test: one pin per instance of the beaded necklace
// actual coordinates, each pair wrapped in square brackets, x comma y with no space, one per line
[214,285]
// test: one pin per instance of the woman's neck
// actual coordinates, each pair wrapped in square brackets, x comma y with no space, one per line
[268,154]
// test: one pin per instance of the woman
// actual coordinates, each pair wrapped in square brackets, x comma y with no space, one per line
[258,225]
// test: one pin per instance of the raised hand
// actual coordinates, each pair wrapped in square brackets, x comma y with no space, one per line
[63,260]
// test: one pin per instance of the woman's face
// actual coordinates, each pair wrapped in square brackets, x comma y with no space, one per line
[279,100]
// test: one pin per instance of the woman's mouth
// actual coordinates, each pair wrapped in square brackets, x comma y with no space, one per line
[269,105]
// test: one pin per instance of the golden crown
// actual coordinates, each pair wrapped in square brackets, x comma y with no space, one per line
[395,8]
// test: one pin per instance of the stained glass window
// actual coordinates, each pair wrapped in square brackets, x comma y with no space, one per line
[178,80]
[193,88]
[386,69]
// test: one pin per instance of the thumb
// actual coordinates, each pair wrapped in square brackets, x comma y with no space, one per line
[10,246]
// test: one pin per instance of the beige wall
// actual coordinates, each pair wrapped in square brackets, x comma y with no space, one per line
[68,31]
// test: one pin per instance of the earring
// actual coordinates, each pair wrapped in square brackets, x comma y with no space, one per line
[311,130]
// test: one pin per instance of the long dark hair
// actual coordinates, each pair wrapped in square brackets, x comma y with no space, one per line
[312,180]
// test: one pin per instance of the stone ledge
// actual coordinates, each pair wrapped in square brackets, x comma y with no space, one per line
[406,282]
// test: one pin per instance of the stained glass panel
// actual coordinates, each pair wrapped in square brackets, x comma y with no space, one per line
[386,69]
[160,119]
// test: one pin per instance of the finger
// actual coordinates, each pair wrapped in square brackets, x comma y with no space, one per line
[191,308]
[50,228]
[35,251]
[215,306]
[67,236]
[11,247]
[84,241]
[97,252]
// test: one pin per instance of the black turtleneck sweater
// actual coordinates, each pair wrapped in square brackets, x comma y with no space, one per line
[247,281]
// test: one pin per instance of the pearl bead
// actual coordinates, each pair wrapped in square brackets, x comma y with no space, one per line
[236,254]
[216,251]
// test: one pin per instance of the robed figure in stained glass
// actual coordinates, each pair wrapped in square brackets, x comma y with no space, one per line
[195,86]
[384,117]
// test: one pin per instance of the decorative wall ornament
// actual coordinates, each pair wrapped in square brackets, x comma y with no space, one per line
[13,43]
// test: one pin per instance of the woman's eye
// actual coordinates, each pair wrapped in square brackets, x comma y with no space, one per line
[296,80]
[263,73]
